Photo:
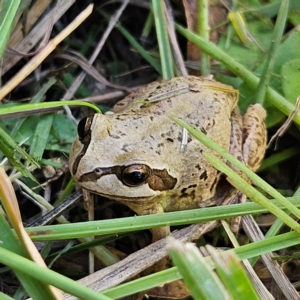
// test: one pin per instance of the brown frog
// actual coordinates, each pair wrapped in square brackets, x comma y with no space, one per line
[134,154]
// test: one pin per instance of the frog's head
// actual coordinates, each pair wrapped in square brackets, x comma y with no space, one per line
[107,159]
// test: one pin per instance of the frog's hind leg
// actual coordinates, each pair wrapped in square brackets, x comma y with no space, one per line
[247,144]
[254,136]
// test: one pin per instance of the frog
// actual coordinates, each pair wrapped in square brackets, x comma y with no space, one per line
[137,155]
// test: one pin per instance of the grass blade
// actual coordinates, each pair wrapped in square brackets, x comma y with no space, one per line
[277,35]
[166,56]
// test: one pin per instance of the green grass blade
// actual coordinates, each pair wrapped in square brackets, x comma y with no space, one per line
[7,16]
[44,105]
[5,297]
[166,56]
[81,229]
[233,276]
[196,272]
[204,33]
[251,192]
[244,252]
[21,264]
[151,60]
[278,157]
[277,35]
[10,148]
[34,287]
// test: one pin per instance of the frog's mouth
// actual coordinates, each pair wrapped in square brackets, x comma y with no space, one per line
[124,199]
[134,175]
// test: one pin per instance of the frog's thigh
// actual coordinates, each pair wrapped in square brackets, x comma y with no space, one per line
[254,136]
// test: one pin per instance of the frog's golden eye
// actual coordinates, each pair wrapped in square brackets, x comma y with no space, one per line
[84,126]
[135,175]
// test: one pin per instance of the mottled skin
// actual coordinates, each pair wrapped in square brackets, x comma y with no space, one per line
[140,134]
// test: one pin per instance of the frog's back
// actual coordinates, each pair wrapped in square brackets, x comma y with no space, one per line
[164,89]
[199,101]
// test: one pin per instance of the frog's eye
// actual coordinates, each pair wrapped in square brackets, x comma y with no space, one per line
[135,175]
[84,126]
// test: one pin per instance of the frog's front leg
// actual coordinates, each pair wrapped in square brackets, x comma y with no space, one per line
[150,209]
[160,232]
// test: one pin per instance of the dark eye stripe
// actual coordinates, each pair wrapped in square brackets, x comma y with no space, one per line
[158,180]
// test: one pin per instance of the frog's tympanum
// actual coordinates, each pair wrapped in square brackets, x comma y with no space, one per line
[134,154]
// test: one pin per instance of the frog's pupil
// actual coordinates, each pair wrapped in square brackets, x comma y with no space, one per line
[135,175]
[135,178]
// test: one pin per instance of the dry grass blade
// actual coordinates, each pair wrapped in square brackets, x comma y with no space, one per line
[261,290]
[25,45]
[281,131]
[73,88]
[93,72]
[139,261]
[39,58]
[43,42]
[254,232]
[10,203]
[173,40]
[33,15]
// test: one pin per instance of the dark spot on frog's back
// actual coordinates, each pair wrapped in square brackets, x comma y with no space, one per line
[185,190]
[187,194]
[124,148]
[203,176]
[192,186]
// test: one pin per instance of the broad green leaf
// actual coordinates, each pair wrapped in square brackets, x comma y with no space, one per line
[61,135]
[40,137]
[291,79]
